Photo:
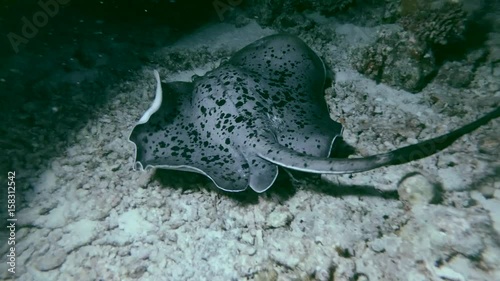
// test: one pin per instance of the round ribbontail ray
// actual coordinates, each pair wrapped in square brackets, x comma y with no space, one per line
[261,109]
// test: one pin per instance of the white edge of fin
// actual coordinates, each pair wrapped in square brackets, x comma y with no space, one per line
[145,117]
[188,168]
[156,103]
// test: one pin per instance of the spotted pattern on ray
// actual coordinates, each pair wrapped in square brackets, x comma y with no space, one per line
[261,109]
[270,91]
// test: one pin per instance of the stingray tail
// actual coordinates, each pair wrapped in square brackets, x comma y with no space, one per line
[291,159]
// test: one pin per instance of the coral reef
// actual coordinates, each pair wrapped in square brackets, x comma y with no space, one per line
[397,59]
[436,22]
[456,74]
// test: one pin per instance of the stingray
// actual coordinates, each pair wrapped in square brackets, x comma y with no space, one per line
[261,109]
